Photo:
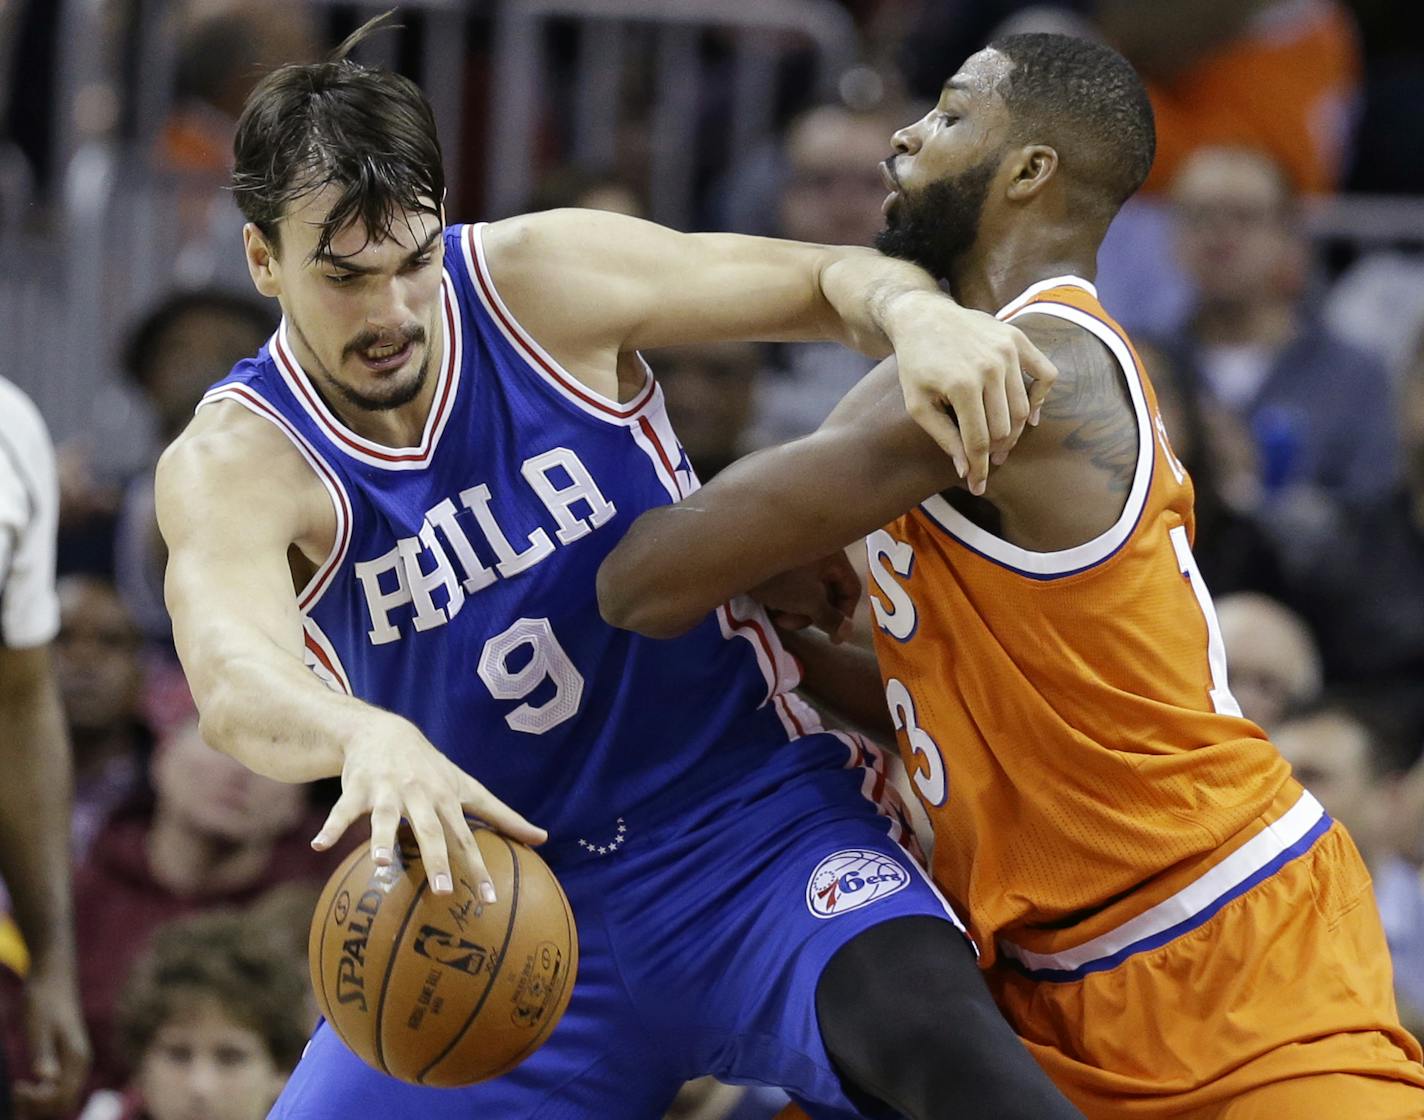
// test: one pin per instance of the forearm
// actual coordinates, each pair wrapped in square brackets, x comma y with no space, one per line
[36,798]
[272,714]
[844,679]
[874,298]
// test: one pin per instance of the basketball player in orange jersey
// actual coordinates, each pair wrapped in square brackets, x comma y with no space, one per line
[1172,924]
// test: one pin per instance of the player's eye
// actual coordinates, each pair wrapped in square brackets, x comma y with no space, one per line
[419,263]
[341,279]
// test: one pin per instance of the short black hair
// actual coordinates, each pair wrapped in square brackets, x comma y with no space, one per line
[368,131]
[1086,101]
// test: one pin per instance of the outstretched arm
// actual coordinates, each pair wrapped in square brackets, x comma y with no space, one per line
[592,285]
[233,499]
[774,510]
[868,464]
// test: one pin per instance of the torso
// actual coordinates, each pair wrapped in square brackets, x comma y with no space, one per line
[454,582]
[1068,722]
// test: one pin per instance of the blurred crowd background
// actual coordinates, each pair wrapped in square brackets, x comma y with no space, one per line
[1271,272]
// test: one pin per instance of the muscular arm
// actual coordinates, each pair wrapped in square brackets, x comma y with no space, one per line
[658,287]
[590,286]
[35,803]
[232,498]
[865,466]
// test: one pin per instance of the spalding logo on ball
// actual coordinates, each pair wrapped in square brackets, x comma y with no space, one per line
[443,989]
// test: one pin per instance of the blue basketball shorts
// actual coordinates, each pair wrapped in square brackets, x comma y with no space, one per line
[700,946]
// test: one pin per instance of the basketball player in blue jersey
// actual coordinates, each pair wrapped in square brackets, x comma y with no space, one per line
[383,536]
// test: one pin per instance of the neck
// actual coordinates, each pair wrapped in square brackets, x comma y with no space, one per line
[189,862]
[1265,323]
[1003,263]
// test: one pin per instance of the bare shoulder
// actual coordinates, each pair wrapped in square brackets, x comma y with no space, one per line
[1089,410]
[231,466]
[1069,479]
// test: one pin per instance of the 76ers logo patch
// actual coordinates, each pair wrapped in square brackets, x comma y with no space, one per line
[851,879]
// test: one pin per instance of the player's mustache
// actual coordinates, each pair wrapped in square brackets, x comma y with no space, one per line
[364,341]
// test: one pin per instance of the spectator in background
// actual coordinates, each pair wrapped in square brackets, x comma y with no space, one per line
[224,48]
[1358,571]
[174,352]
[211,1021]
[1278,76]
[709,392]
[832,194]
[1233,550]
[1319,409]
[572,184]
[35,769]
[1272,662]
[223,51]
[100,684]
[1359,779]
[217,835]
[1281,76]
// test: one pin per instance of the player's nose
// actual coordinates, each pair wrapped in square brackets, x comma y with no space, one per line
[906,141]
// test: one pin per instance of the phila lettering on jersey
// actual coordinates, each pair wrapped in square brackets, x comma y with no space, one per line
[460,591]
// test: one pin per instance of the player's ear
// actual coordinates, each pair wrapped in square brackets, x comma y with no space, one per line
[261,260]
[1033,168]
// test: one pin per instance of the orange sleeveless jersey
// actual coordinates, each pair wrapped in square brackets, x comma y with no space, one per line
[1065,716]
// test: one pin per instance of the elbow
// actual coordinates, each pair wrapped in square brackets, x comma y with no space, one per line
[219,719]
[631,603]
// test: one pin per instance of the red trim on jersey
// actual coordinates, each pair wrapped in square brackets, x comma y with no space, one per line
[314,591]
[516,333]
[737,625]
[651,433]
[320,655]
[341,435]
[790,714]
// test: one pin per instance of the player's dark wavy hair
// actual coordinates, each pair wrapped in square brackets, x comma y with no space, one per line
[1086,101]
[366,131]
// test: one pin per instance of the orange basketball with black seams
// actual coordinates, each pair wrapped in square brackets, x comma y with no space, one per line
[443,989]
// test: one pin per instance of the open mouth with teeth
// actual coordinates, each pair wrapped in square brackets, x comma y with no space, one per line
[383,359]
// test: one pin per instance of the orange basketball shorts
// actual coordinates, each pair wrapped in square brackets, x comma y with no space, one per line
[1279,1006]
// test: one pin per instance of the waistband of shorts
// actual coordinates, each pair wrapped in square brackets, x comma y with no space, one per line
[1284,839]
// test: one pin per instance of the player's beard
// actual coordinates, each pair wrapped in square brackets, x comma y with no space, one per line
[934,227]
[398,395]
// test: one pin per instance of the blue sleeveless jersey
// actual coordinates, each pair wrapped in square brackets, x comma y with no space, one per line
[460,591]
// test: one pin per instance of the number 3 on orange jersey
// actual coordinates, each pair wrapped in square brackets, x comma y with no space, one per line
[929,778]
[1221,699]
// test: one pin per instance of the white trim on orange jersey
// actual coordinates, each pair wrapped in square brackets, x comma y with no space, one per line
[1041,565]
[1284,839]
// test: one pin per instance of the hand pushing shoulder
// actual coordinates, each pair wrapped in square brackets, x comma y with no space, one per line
[1068,482]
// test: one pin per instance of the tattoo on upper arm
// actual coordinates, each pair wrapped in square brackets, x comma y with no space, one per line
[1090,400]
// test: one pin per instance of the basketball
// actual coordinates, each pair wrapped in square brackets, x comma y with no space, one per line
[442,989]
